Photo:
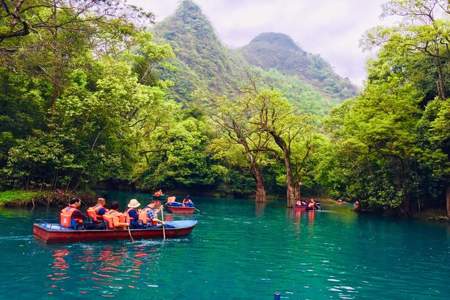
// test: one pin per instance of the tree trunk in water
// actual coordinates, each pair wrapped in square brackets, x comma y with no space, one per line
[448,201]
[297,192]
[290,188]
[260,189]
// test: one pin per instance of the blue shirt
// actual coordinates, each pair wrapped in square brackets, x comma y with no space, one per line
[134,216]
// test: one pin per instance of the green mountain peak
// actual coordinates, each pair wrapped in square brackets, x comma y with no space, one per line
[275,38]
[278,51]
[204,63]
[201,57]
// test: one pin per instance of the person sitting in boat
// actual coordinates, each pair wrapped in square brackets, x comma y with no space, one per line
[356,205]
[113,218]
[158,195]
[300,203]
[71,216]
[148,216]
[96,212]
[187,201]
[171,201]
[312,204]
[132,213]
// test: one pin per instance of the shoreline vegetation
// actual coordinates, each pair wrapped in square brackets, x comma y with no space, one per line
[31,199]
[34,198]
[97,93]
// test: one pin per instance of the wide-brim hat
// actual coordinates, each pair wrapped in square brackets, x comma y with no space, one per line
[133,203]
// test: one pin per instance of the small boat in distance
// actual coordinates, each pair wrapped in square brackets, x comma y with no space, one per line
[310,205]
[182,210]
[54,233]
[304,208]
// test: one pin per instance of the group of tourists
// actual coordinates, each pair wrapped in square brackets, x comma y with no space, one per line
[172,199]
[187,201]
[311,204]
[111,218]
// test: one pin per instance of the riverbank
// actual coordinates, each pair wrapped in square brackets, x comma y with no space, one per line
[431,214]
[34,198]
[58,198]
[436,215]
[19,198]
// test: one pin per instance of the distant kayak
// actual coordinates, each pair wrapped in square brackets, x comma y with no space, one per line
[184,210]
[54,233]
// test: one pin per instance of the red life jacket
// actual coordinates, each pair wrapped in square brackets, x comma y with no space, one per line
[92,213]
[65,217]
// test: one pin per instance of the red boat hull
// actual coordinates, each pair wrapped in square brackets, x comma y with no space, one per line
[69,236]
[182,210]
[304,208]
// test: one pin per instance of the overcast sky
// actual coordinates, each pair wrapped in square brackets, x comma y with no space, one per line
[331,28]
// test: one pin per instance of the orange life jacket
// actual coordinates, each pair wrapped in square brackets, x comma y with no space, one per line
[65,217]
[143,216]
[92,213]
[113,218]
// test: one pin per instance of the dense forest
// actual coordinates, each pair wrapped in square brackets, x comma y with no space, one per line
[95,92]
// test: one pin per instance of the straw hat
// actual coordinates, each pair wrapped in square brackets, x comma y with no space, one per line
[134,203]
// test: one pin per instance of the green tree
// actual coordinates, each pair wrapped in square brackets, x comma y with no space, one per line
[235,125]
[291,133]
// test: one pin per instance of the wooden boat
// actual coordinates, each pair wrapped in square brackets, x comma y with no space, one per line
[183,210]
[304,208]
[54,233]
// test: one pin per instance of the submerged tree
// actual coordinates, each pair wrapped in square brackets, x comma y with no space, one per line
[234,120]
[290,132]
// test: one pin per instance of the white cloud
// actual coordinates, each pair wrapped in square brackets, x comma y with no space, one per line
[331,28]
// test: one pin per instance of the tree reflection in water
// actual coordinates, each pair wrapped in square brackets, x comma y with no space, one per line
[111,268]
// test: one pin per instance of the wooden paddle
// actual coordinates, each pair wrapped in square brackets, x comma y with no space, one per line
[129,233]
[162,219]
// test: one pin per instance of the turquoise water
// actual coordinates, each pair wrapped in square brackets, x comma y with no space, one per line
[238,251]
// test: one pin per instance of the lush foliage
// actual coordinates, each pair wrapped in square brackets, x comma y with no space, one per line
[389,147]
[90,97]
[76,99]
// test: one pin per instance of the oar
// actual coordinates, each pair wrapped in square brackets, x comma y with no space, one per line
[162,219]
[129,230]
[129,233]
[196,209]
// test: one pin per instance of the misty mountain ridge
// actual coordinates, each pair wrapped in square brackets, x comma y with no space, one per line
[203,62]
[278,51]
